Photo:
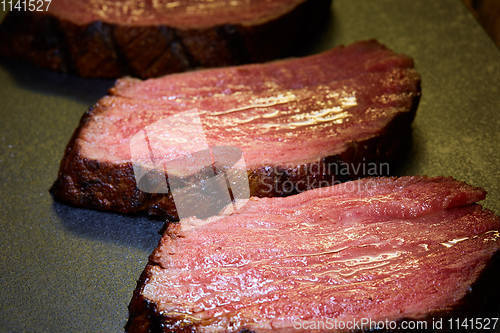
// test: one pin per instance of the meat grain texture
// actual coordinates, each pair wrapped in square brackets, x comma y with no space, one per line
[378,248]
[293,120]
[108,38]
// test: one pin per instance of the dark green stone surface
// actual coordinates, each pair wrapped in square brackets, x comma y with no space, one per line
[72,270]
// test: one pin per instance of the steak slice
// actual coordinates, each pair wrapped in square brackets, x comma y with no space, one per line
[109,38]
[377,248]
[299,124]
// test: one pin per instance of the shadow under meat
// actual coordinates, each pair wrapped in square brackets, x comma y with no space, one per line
[405,155]
[319,37]
[53,83]
[136,231]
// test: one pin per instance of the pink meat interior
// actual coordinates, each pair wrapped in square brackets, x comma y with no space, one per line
[374,248]
[280,112]
[184,14]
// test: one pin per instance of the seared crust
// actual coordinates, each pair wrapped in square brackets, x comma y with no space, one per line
[90,183]
[105,186]
[107,50]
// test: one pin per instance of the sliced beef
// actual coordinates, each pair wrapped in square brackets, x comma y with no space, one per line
[377,248]
[299,123]
[110,38]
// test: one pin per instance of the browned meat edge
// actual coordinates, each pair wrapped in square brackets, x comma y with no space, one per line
[481,301]
[108,50]
[105,186]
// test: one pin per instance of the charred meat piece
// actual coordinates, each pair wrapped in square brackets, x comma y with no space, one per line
[299,123]
[109,38]
[377,248]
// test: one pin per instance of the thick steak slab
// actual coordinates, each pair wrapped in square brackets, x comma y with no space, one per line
[294,120]
[110,38]
[377,248]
